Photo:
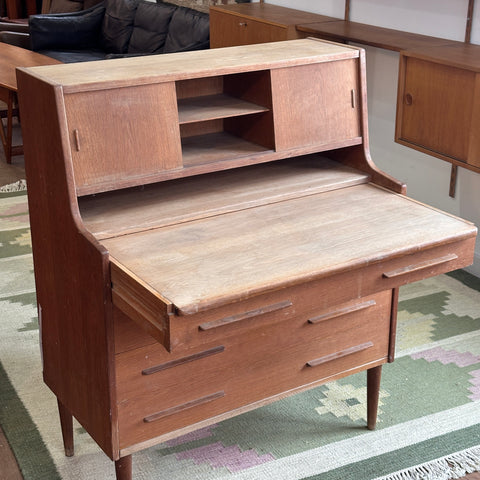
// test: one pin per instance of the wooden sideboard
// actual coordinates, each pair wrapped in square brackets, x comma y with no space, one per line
[210,234]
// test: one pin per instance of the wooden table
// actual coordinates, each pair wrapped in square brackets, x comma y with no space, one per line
[10,58]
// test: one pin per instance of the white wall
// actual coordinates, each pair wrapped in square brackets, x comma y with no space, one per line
[427,178]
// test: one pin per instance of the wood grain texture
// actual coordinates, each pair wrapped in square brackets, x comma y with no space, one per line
[71,271]
[330,118]
[282,244]
[154,69]
[440,118]
[263,360]
[12,57]
[126,211]
[450,96]
[256,23]
[386,38]
[136,135]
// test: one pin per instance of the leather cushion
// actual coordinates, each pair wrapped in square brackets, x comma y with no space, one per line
[118,24]
[150,27]
[189,30]
[63,6]
[73,56]
[76,30]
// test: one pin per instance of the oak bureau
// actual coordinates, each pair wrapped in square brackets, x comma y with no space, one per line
[210,234]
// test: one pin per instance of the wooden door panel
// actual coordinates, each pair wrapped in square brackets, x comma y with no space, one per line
[120,133]
[437,107]
[311,107]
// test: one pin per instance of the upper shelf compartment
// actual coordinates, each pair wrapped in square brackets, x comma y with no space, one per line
[212,107]
[225,117]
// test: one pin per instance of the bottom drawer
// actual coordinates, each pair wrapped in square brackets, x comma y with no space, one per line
[159,392]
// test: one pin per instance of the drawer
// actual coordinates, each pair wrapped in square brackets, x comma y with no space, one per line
[159,392]
[187,332]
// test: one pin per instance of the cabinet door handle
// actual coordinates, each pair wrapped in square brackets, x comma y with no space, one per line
[342,311]
[243,316]
[408,99]
[340,354]
[420,266]
[243,24]
[184,406]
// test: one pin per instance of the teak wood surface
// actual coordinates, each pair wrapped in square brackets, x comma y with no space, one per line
[12,57]
[262,257]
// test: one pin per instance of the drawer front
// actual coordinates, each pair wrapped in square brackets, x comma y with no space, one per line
[228,30]
[159,392]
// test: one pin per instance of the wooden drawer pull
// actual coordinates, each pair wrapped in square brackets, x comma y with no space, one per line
[420,266]
[184,406]
[340,354]
[243,316]
[342,311]
[181,361]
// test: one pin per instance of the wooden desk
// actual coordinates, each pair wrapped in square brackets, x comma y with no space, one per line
[257,251]
[10,58]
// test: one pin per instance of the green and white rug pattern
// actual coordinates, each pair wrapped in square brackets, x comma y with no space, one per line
[429,410]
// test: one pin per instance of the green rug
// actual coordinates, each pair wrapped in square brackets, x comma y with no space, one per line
[429,412]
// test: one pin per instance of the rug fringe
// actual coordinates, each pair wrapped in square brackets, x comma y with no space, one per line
[19,186]
[456,465]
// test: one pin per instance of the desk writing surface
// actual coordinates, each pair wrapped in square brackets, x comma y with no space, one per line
[226,257]
[131,210]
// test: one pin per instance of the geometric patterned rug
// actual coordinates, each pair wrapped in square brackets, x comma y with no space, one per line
[429,410]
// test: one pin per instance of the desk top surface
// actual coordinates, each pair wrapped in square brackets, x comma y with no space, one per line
[201,263]
[180,66]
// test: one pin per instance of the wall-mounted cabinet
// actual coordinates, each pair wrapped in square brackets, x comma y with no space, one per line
[438,108]
[249,23]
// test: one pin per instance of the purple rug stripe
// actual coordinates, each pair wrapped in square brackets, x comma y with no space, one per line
[233,458]
[475,381]
[447,356]
[192,436]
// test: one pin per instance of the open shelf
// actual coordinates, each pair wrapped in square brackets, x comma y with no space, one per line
[211,107]
[215,147]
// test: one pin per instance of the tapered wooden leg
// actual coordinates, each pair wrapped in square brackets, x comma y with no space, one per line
[123,468]
[373,390]
[66,421]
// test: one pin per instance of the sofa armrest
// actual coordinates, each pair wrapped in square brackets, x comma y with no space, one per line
[16,38]
[74,30]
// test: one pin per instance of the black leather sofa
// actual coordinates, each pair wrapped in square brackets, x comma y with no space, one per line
[118,28]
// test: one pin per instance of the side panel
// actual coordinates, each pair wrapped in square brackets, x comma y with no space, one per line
[71,271]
